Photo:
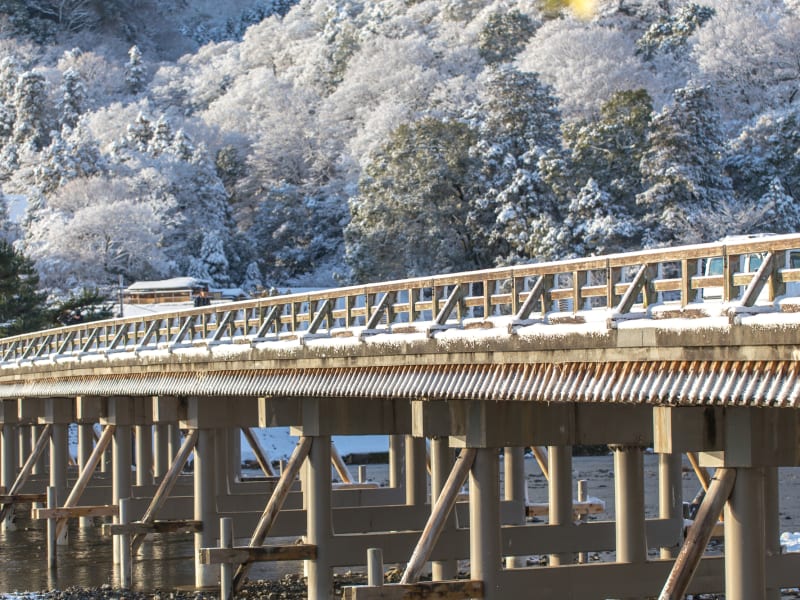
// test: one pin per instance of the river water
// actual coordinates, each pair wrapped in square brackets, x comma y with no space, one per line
[168,564]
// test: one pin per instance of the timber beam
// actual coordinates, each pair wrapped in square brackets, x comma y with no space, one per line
[444,590]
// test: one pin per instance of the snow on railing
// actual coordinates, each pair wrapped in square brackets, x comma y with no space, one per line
[738,275]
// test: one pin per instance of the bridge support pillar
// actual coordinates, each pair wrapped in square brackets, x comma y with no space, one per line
[515,490]
[39,466]
[144,454]
[121,457]
[8,447]
[772,529]
[205,505]
[59,451]
[670,494]
[416,473]
[441,464]
[559,466]
[484,522]
[745,544]
[319,518]
[24,441]
[631,541]
[161,458]
[396,451]
[85,444]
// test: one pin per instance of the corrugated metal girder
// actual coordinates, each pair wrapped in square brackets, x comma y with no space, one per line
[757,383]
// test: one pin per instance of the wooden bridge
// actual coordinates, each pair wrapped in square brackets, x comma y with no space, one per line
[647,349]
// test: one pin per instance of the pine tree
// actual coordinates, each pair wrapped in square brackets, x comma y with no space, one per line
[609,148]
[253,282]
[414,195]
[73,98]
[22,305]
[594,225]
[135,71]
[213,260]
[682,170]
[506,32]
[32,123]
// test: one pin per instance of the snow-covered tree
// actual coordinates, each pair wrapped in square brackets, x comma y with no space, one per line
[212,259]
[594,225]
[682,169]
[253,281]
[71,104]
[414,195]
[671,32]
[506,32]
[135,71]
[32,113]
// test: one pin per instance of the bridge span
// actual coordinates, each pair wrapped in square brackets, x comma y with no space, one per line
[648,349]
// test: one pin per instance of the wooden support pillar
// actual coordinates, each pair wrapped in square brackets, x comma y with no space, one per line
[441,463]
[85,442]
[233,451]
[205,506]
[484,522]
[59,451]
[631,542]
[25,446]
[559,459]
[396,451]
[144,454]
[39,466]
[162,458]
[670,494]
[416,473]
[8,467]
[173,439]
[745,546]
[772,525]
[319,518]
[121,471]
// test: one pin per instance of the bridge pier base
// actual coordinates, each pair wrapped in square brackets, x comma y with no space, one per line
[121,457]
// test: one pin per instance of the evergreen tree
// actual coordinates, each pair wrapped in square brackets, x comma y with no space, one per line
[135,71]
[213,259]
[22,305]
[31,110]
[73,98]
[670,33]
[682,170]
[506,32]
[609,148]
[594,225]
[782,210]
[517,123]
[414,195]
[253,282]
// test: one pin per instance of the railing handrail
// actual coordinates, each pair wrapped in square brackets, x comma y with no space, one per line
[432,299]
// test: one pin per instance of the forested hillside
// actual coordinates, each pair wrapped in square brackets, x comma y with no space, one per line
[327,141]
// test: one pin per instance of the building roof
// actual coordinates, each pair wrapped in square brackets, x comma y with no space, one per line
[176,283]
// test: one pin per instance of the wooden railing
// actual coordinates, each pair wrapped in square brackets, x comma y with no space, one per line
[622,285]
